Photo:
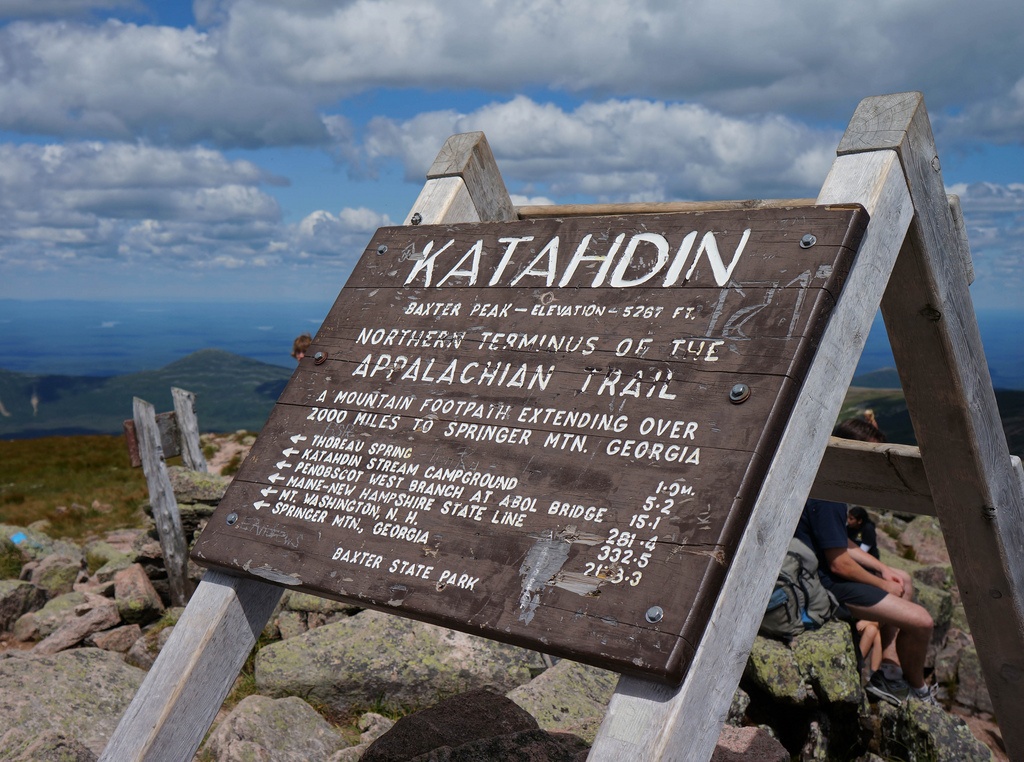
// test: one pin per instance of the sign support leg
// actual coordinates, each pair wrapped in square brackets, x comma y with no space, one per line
[192,676]
[937,346]
[651,722]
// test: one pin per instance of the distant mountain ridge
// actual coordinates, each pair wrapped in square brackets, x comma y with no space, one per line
[235,392]
[232,393]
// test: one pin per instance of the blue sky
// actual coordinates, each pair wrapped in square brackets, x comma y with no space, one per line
[247,149]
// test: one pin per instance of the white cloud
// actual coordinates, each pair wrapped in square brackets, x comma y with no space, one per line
[79,204]
[994,215]
[122,81]
[623,149]
[343,235]
[259,72]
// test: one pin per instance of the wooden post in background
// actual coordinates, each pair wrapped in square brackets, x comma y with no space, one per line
[163,501]
[188,428]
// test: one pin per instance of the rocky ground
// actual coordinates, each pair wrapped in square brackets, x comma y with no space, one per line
[80,625]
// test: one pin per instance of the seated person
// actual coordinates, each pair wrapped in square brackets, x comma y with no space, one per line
[871,591]
[861,529]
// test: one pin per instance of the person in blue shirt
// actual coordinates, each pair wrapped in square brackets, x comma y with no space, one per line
[871,590]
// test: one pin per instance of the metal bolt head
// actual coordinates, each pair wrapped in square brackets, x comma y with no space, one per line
[382,249]
[807,241]
[654,614]
[319,358]
[416,219]
[231,518]
[739,393]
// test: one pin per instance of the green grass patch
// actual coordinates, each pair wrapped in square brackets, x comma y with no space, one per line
[81,485]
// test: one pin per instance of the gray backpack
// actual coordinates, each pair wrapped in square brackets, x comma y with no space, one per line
[799,602]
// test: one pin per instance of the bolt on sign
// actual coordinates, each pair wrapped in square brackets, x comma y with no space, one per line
[547,432]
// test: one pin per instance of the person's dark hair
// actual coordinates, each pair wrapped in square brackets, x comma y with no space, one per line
[858,513]
[859,429]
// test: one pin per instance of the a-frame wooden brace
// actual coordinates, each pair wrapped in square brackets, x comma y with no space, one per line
[914,262]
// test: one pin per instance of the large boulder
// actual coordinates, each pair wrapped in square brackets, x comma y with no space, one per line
[299,612]
[748,745]
[473,726]
[938,603]
[373,657]
[99,553]
[119,639]
[971,691]
[273,730]
[137,599]
[826,658]
[95,615]
[11,559]
[809,692]
[772,670]
[49,746]
[947,655]
[57,574]
[197,486]
[36,545]
[80,693]
[372,727]
[923,731]
[452,722]
[923,537]
[569,697]
[18,598]
[37,625]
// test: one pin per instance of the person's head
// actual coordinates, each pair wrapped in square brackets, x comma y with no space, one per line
[856,516]
[300,345]
[859,429]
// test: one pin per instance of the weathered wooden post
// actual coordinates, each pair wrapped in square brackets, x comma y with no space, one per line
[163,501]
[188,426]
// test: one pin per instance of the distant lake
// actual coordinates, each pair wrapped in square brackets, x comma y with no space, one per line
[85,338]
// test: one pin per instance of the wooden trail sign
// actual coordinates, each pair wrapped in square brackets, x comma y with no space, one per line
[547,432]
[962,473]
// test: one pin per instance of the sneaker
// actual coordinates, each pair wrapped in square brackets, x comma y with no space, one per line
[926,697]
[893,691]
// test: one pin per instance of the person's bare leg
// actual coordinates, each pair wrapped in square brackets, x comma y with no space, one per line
[876,652]
[870,643]
[915,630]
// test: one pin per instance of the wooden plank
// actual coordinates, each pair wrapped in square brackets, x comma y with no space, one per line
[937,346]
[884,476]
[194,672]
[188,427]
[640,504]
[163,502]
[167,423]
[541,211]
[651,722]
